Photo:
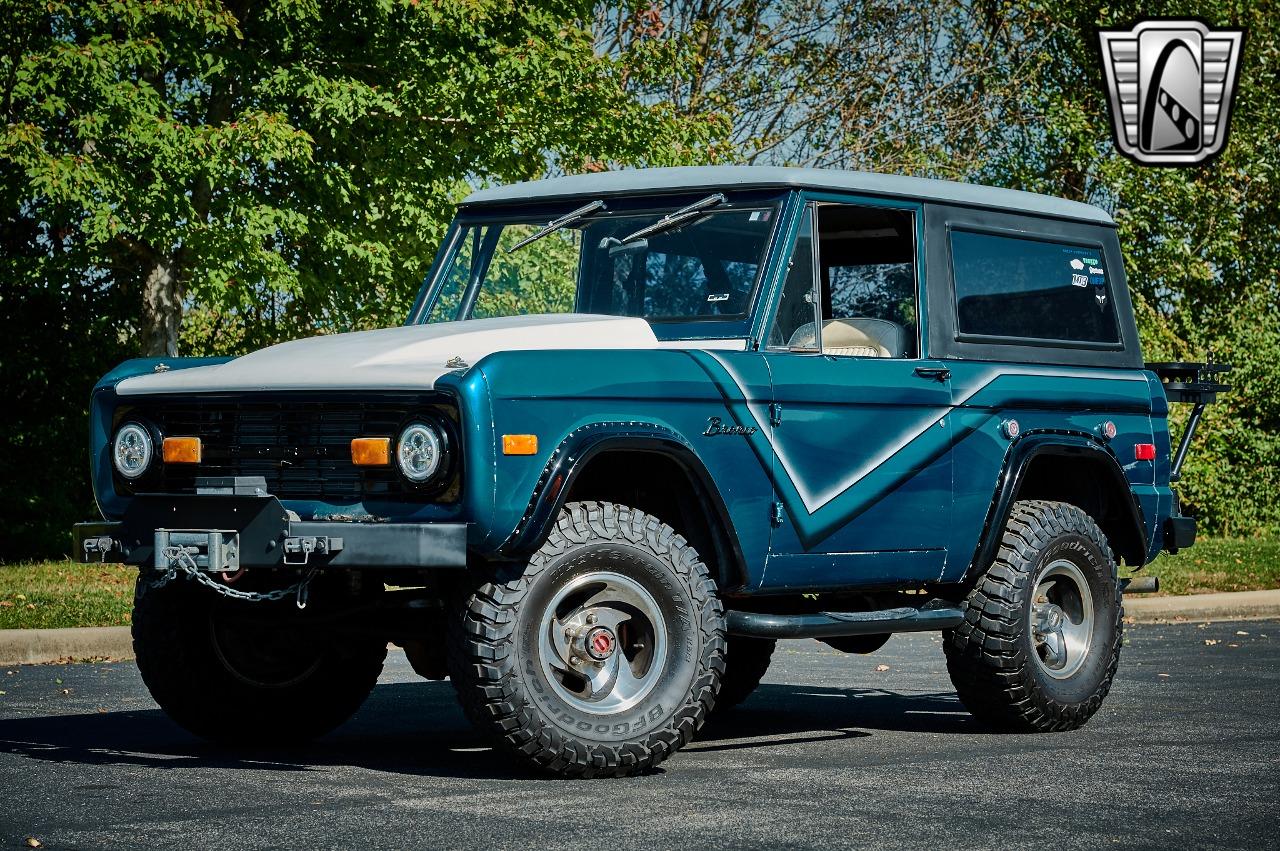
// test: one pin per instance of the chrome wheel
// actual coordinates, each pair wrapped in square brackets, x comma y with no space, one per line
[603,643]
[1062,619]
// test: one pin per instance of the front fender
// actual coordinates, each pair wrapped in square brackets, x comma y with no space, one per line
[574,453]
[579,404]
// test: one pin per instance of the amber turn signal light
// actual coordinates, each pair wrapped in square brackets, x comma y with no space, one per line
[182,450]
[519,444]
[371,451]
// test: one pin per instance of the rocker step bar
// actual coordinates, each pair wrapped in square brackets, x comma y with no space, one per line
[836,624]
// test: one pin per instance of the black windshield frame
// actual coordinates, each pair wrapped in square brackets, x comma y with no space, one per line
[736,326]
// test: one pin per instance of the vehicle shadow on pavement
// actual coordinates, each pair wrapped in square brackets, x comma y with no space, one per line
[829,714]
[404,728]
[418,729]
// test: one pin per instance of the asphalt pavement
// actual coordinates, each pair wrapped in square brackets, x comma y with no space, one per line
[830,752]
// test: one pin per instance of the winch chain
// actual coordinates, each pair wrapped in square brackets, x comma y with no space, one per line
[180,558]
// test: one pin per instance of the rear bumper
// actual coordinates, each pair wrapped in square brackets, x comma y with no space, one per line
[1179,533]
[266,537]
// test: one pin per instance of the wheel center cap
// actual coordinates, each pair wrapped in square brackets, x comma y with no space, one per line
[600,643]
[1049,618]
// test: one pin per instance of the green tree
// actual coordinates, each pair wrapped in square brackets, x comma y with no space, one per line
[288,167]
[885,85]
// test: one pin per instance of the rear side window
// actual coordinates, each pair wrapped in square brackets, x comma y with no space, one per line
[1019,288]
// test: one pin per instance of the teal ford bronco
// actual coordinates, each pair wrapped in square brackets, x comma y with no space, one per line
[638,427]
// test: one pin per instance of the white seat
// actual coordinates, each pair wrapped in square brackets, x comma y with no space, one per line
[858,336]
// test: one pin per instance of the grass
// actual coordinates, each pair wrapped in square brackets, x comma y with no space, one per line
[1219,564]
[49,594]
[42,595]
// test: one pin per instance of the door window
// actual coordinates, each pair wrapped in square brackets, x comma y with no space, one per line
[865,273]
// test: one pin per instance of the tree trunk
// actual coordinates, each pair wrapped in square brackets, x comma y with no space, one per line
[161,309]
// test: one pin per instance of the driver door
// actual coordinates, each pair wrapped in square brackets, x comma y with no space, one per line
[861,440]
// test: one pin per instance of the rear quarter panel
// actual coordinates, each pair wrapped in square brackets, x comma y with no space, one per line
[1048,399]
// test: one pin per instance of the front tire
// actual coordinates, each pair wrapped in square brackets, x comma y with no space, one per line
[1043,625]
[234,673]
[602,655]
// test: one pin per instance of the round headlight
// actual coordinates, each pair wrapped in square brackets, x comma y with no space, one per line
[131,450]
[419,452]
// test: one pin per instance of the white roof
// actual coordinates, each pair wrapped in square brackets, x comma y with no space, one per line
[693,178]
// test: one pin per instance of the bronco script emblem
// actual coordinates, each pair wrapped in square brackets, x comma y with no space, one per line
[1170,85]
[716,426]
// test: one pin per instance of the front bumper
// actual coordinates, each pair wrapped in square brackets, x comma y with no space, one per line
[265,537]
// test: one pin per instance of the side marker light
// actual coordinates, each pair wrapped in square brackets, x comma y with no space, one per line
[519,444]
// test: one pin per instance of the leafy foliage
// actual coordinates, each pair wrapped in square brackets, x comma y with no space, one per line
[289,168]
[883,85]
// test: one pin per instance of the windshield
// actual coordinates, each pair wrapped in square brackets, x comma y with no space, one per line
[701,268]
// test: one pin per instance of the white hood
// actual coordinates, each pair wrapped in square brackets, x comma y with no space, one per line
[406,358]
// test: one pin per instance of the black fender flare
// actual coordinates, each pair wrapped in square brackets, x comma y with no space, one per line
[573,455]
[1026,448]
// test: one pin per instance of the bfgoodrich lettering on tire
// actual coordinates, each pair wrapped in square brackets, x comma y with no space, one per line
[1041,638]
[599,657]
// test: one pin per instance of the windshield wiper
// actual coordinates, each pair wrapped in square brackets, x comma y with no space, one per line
[564,221]
[679,217]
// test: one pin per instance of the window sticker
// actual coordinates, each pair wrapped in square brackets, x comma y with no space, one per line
[1086,269]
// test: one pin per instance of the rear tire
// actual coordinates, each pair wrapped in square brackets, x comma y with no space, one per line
[1043,626]
[238,680]
[602,655]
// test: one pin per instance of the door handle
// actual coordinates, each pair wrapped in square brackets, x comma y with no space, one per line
[937,373]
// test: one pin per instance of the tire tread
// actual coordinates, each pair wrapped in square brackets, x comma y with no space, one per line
[483,666]
[986,655]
